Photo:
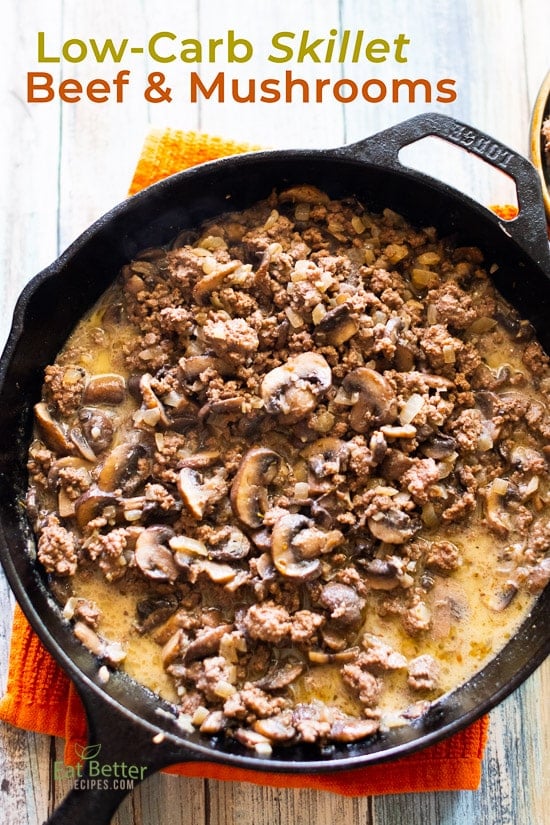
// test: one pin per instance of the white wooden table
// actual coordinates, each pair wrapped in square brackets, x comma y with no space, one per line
[62,165]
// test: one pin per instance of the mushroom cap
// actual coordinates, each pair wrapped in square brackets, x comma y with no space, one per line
[54,435]
[287,557]
[337,326]
[153,557]
[91,503]
[292,389]
[343,602]
[376,404]
[124,467]
[258,468]
[393,526]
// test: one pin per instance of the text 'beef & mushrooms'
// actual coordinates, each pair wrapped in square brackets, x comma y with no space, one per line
[292,472]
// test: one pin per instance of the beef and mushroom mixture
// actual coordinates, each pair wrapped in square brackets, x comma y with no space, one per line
[292,471]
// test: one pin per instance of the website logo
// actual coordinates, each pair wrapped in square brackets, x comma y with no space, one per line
[91,773]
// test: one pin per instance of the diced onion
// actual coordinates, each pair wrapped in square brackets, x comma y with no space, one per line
[318,313]
[358,225]
[301,490]
[184,544]
[412,407]
[199,715]
[428,259]
[272,220]
[295,319]
[500,486]
[424,278]
[449,354]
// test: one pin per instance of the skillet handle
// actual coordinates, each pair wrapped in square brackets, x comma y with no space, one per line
[528,229]
[128,754]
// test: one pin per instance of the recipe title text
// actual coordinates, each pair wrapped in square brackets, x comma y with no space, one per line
[168,49]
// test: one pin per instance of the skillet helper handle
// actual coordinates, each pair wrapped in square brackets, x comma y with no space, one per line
[528,229]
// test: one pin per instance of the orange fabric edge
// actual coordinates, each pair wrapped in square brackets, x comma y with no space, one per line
[52,705]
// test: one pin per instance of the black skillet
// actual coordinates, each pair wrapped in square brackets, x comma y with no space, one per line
[132,725]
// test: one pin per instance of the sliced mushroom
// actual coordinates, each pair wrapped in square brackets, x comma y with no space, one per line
[327,456]
[223,406]
[381,574]
[286,557]
[79,440]
[321,657]
[214,280]
[393,526]
[293,389]
[152,410]
[97,428]
[109,388]
[351,730]
[112,652]
[207,643]
[280,676]
[376,403]
[343,602]
[92,504]
[218,573]
[249,493]
[439,446]
[234,548]
[152,555]
[54,434]
[276,728]
[193,365]
[126,467]
[197,492]
[499,601]
[395,464]
[155,611]
[497,518]
[337,325]
[174,648]
[187,549]
[192,491]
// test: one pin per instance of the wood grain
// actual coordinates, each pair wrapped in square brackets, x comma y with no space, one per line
[66,165]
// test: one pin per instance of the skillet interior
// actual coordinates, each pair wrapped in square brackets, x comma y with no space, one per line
[52,304]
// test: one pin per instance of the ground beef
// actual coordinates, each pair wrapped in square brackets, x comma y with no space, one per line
[253,703]
[423,673]
[268,622]
[358,676]
[63,387]
[379,655]
[453,306]
[443,555]
[305,625]
[57,548]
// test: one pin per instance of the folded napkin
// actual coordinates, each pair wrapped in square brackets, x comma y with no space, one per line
[41,698]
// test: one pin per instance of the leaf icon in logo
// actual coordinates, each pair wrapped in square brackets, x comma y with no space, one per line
[88,752]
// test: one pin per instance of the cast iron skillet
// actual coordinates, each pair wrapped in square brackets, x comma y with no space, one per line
[131,724]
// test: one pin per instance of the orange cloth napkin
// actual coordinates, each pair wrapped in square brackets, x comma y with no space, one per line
[41,698]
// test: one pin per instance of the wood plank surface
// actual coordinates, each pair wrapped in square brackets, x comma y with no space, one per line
[67,164]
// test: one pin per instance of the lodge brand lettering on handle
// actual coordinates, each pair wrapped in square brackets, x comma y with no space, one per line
[480,144]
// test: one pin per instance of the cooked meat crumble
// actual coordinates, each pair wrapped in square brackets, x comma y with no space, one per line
[307,447]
